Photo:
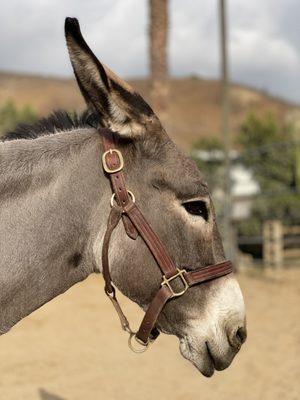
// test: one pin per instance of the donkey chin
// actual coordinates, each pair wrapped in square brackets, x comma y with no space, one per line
[212,341]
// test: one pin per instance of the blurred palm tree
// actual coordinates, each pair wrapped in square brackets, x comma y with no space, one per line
[158,32]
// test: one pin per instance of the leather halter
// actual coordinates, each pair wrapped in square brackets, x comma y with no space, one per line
[123,206]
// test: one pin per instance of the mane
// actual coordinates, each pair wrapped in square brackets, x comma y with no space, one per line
[58,121]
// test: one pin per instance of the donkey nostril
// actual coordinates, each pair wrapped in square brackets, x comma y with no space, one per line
[241,335]
[237,337]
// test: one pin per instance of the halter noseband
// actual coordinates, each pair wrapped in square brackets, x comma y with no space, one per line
[123,207]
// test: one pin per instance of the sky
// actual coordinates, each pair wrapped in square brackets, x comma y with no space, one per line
[264,39]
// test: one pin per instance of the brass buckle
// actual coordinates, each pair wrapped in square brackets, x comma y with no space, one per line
[106,167]
[166,281]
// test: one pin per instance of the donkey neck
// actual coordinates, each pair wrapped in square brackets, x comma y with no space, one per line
[50,193]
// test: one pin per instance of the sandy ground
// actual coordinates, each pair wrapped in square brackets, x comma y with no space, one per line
[73,349]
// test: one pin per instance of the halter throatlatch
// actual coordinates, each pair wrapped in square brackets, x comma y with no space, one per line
[123,206]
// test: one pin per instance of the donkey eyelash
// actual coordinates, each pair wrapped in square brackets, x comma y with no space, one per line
[197,208]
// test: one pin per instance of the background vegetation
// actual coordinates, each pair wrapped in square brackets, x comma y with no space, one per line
[272,153]
[11,116]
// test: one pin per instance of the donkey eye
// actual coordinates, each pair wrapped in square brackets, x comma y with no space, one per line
[197,207]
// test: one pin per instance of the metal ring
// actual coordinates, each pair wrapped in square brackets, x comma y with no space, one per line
[114,195]
[135,349]
[111,295]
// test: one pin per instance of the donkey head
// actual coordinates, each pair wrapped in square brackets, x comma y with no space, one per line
[208,319]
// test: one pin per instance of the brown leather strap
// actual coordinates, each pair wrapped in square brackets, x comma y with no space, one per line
[164,294]
[152,313]
[153,242]
[135,223]
[113,220]
[205,274]
[114,161]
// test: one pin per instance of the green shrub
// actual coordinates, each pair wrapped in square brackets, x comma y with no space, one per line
[271,153]
[11,116]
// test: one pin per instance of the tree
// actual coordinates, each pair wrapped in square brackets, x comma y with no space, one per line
[208,152]
[158,32]
[270,152]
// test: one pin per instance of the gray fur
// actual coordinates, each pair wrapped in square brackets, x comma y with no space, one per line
[49,191]
[54,204]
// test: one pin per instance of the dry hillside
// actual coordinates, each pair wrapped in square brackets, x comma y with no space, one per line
[194,106]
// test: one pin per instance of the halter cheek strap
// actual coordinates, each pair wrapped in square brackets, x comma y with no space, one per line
[123,207]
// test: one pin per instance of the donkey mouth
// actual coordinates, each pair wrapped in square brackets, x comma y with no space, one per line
[210,356]
[203,360]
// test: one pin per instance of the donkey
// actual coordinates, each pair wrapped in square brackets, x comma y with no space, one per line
[55,199]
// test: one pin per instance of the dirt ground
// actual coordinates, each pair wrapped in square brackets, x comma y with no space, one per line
[73,349]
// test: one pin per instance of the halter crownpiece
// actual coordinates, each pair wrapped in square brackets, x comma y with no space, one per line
[123,206]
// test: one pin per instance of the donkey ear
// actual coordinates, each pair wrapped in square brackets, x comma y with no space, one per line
[120,107]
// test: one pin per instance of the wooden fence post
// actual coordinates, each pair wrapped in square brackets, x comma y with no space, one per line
[273,243]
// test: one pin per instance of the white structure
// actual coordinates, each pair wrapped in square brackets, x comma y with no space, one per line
[244,186]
